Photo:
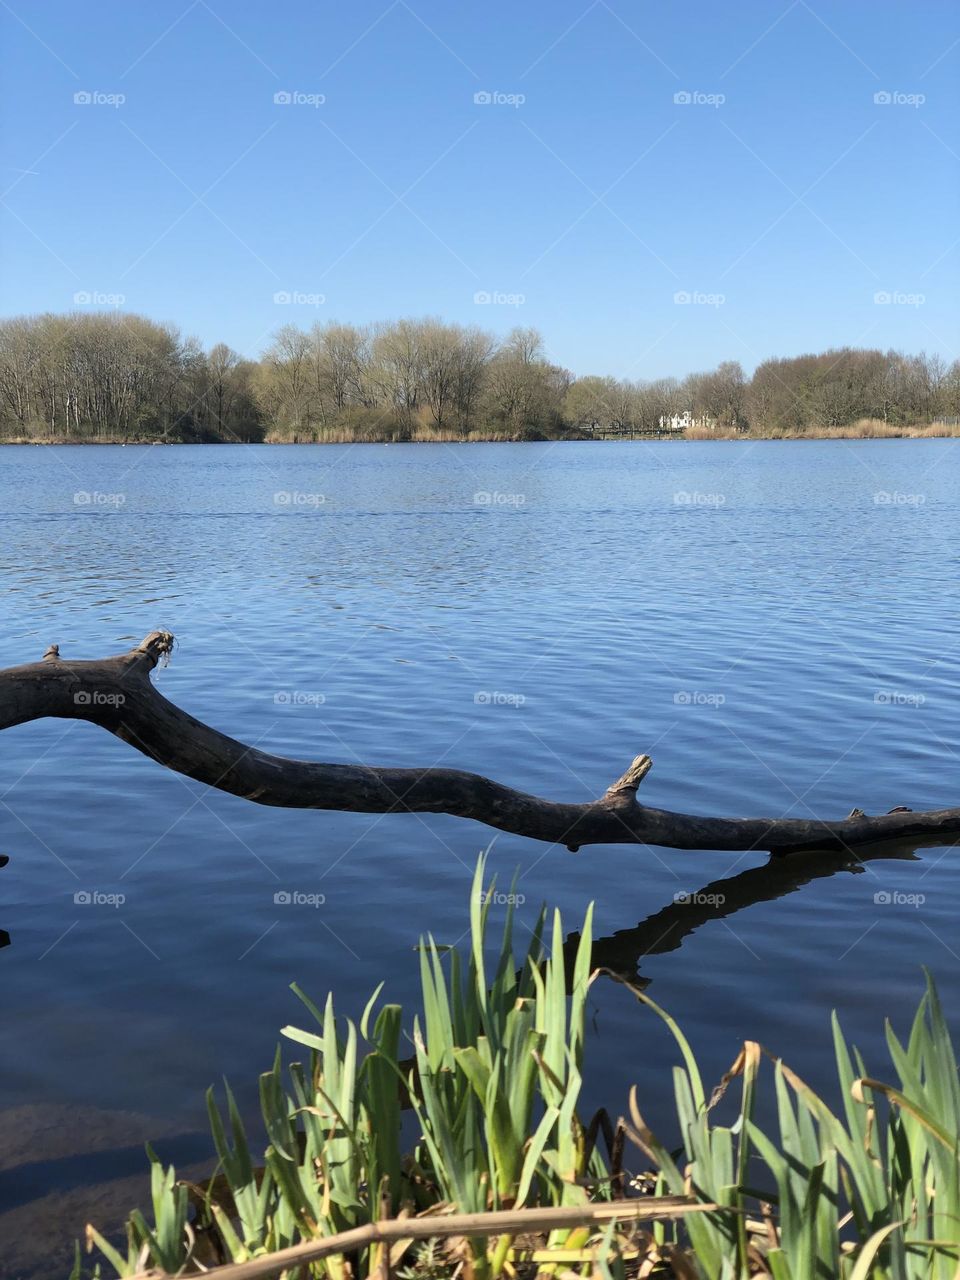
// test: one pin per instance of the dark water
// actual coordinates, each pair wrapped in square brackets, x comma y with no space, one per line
[776,623]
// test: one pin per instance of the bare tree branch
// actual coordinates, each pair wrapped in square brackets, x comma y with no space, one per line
[118,695]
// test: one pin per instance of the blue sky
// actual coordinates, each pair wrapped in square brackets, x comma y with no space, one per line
[782,198]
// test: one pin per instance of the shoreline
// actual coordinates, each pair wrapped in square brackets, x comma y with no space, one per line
[931,432]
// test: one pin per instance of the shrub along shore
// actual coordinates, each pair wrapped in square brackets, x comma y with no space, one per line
[506,1177]
[111,377]
[864,429]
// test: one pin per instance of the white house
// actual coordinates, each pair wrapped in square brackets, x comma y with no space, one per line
[681,421]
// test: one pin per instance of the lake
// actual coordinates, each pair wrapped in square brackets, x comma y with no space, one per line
[776,623]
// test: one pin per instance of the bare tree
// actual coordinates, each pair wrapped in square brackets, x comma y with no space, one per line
[107,375]
[284,388]
[223,362]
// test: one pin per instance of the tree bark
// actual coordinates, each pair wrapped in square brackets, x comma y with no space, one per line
[117,694]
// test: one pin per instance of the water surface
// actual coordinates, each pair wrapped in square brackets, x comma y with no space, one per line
[776,623]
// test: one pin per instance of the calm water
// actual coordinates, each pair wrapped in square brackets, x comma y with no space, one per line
[778,639]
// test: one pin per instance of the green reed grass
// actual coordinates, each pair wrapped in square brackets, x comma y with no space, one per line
[492,1069]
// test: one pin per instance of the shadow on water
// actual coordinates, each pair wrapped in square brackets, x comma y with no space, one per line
[623,952]
[665,930]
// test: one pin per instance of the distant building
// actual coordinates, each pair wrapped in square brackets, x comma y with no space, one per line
[681,421]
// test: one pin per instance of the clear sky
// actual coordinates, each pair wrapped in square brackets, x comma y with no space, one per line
[582,197]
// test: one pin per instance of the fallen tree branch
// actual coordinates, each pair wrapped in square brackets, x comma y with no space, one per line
[118,695]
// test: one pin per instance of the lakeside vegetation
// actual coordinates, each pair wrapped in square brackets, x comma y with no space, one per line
[494,1086]
[116,377]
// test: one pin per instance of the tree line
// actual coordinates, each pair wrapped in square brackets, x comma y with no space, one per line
[111,376]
